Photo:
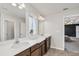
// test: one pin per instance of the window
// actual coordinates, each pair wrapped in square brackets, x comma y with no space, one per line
[33,25]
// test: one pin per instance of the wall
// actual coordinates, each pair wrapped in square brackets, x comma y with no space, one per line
[54,25]
[57,29]
[0,26]
[23,30]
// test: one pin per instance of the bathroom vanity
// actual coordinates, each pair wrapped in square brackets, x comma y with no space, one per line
[26,46]
[37,49]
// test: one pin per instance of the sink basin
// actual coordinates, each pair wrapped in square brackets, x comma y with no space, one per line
[34,37]
[20,45]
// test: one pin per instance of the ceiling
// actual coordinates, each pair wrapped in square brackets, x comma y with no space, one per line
[70,10]
[47,9]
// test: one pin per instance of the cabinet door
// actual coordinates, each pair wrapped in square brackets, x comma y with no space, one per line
[24,53]
[43,49]
[37,52]
[42,45]
[34,47]
[28,52]
[48,43]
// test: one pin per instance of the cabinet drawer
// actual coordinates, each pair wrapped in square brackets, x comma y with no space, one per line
[24,53]
[43,42]
[27,52]
[48,43]
[36,52]
[34,47]
[43,49]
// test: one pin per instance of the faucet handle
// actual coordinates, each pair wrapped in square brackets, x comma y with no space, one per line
[16,41]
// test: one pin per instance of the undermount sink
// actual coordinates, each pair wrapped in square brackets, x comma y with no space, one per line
[20,45]
[34,37]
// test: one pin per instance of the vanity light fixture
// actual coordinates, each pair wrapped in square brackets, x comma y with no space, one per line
[14,4]
[20,7]
[41,18]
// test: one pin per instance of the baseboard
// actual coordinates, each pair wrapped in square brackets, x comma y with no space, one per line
[57,48]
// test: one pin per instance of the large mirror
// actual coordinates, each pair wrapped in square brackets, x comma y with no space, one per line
[12,21]
[8,30]
[22,29]
[33,25]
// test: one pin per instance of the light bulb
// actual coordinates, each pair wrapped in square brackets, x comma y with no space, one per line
[41,18]
[14,4]
[20,7]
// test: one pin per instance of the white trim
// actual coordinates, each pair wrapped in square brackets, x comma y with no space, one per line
[57,48]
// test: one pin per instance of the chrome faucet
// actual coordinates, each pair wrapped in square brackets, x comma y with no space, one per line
[17,41]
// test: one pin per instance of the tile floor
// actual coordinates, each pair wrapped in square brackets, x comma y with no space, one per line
[72,46]
[55,52]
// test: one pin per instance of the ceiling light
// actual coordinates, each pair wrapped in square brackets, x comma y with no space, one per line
[20,7]
[14,4]
[41,18]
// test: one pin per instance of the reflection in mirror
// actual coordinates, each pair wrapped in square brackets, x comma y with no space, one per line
[22,29]
[8,30]
[0,30]
[12,22]
[33,25]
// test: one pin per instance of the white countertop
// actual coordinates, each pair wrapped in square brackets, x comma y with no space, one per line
[10,48]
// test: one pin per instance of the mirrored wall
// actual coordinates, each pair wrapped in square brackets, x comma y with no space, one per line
[16,21]
[12,22]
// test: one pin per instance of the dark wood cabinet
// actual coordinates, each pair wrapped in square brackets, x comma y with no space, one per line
[42,45]
[24,53]
[48,43]
[38,49]
[34,47]
[43,49]
[36,52]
